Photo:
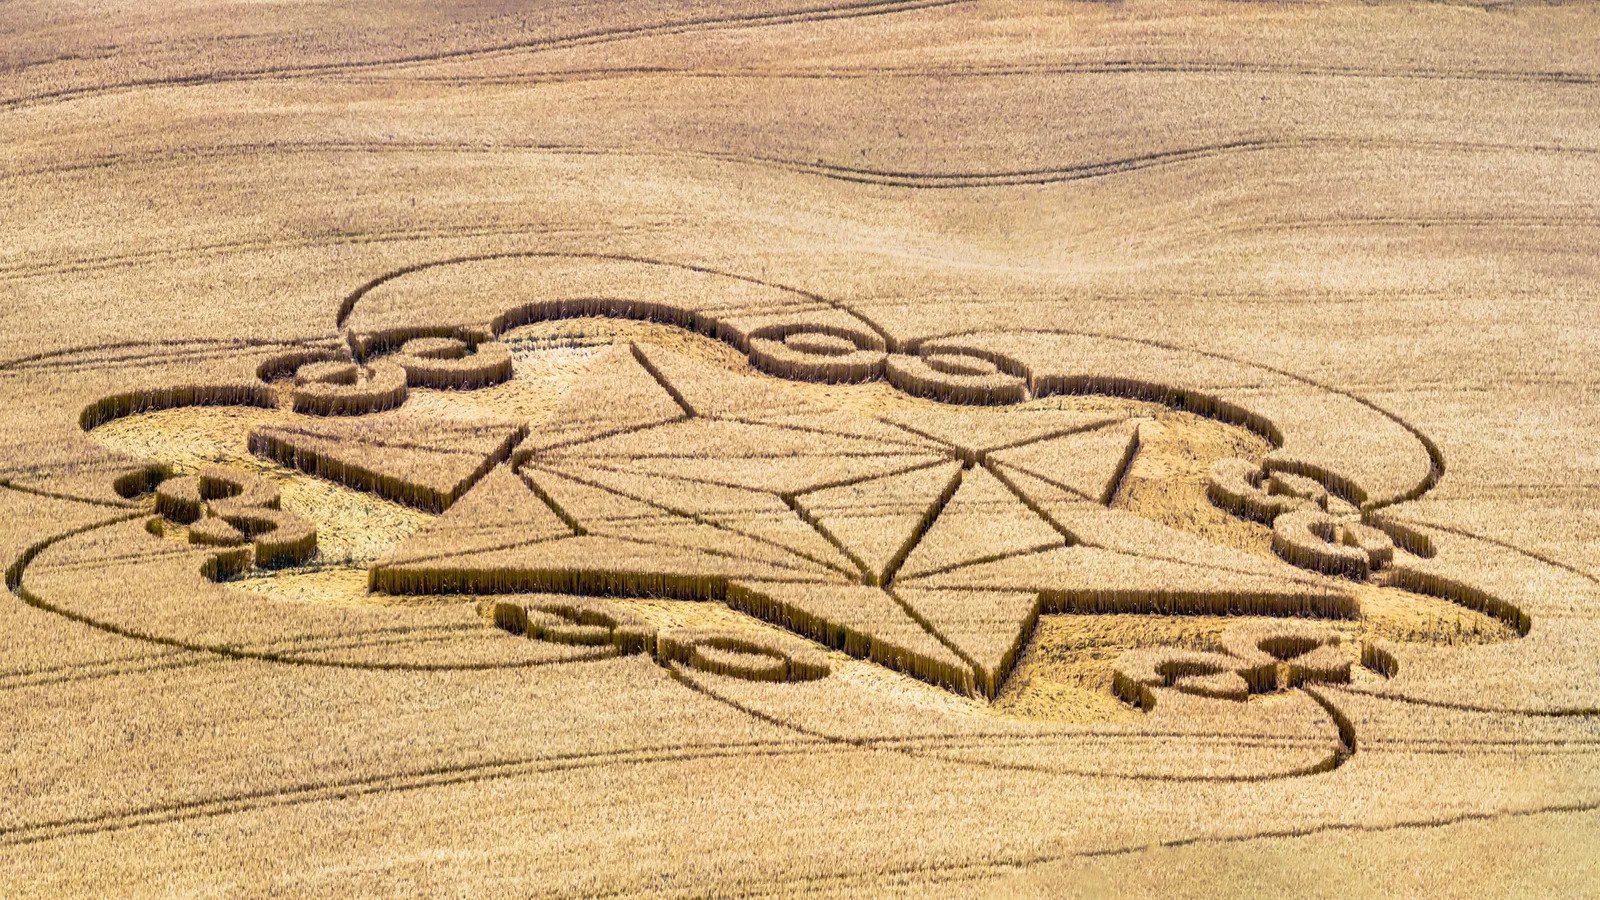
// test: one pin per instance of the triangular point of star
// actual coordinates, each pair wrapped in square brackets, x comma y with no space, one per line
[416,461]
[988,627]
[865,622]
[499,510]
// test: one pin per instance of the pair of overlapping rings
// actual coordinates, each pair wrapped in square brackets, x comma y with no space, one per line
[332,387]
[936,370]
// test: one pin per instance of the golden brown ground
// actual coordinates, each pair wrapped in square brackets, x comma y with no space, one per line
[1399,202]
[1064,672]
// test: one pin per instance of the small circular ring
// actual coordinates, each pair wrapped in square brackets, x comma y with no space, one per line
[330,388]
[956,374]
[809,352]
[450,363]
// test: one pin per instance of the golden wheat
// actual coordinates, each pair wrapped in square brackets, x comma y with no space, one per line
[346,389]
[439,362]
[901,274]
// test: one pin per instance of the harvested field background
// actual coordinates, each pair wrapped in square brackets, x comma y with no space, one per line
[1020,447]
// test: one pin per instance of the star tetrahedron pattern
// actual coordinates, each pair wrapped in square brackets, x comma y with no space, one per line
[929,538]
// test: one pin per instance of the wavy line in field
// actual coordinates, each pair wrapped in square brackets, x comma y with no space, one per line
[56,495]
[865,9]
[290,648]
[384,784]
[133,659]
[1528,489]
[909,178]
[160,350]
[1293,296]
[490,770]
[153,359]
[948,873]
[334,239]
[874,177]
[1440,221]
[1416,744]
[1090,67]
[181,659]
[1011,739]
[107,51]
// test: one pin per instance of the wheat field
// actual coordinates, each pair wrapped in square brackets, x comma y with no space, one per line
[793,447]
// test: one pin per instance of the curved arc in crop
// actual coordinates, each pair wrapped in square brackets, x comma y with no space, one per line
[16,574]
[708,322]
[1435,454]
[348,304]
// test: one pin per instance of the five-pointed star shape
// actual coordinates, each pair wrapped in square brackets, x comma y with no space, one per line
[928,538]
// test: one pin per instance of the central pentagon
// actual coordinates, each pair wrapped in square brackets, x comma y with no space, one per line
[927,539]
